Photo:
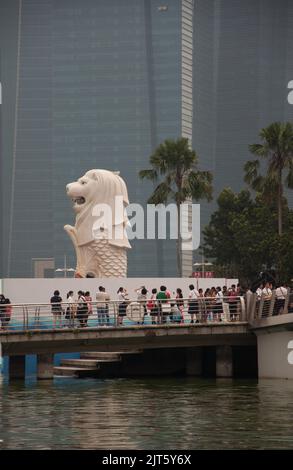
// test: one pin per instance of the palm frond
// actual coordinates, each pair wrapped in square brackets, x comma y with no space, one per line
[259,150]
[161,194]
[177,163]
[150,174]
[198,185]
[251,169]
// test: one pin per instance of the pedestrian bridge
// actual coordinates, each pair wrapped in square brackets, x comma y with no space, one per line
[219,326]
[125,338]
[36,329]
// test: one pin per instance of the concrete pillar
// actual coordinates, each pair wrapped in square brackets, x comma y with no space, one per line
[224,361]
[1,361]
[17,367]
[45,366]
[194,361]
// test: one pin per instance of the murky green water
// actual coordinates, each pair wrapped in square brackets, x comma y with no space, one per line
[175,413]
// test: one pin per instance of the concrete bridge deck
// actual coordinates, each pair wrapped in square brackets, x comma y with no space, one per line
[220,336]
[125,338]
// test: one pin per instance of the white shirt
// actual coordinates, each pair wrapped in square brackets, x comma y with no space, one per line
[193,294]
[259,292]
[122,296]
[219,297]
[266,292]
[281,292]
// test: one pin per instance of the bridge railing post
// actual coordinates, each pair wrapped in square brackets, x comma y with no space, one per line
[1,361]
[253,312]
[260,308]
[243,309]
[287,299]
[116,313]
[250,304]
[25,317]
[272,304]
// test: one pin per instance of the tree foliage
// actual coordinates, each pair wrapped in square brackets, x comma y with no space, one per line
[174,167]
[276,148]
[177,164]
[242,239]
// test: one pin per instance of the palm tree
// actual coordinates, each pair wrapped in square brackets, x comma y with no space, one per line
[176,162]
[277,148]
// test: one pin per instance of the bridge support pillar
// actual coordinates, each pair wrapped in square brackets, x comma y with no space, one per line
[194,361]
[224,361]
[17,367]
[1,360]
[45,366]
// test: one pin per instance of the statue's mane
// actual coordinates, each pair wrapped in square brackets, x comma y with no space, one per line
[109,185]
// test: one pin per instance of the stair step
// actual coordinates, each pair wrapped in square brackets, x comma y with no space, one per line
[69,371]
[100,355]
[82,363]
[108,355]
[91,363]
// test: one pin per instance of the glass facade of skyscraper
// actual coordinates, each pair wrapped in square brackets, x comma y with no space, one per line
[243,61]
[86,84]
[99,84]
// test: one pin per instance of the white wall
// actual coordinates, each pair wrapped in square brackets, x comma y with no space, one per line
[275,357]
[40,290]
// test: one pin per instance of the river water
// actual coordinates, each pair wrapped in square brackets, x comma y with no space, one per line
[146,414]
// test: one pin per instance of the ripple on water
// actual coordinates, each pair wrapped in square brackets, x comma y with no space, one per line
[172,413]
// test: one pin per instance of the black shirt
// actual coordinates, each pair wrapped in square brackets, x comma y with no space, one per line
[56,300]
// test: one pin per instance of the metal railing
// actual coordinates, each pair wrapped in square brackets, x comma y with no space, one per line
[79,315]
[266,306]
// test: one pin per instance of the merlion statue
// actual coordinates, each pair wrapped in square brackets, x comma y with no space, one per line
[99,235]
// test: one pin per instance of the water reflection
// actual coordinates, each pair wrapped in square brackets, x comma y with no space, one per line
[146,414]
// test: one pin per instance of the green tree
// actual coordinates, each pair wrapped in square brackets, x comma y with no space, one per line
[241,237]
[277,149]
[174,165]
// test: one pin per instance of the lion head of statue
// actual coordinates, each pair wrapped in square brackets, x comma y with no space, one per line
[98,188]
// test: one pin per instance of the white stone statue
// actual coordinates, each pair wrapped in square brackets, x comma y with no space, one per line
[99,235]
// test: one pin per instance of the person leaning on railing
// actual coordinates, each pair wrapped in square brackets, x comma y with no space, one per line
[103,298]
[193,305]
[180,303]
[153,307]
[123,302]
[202,306]
[219,304]
[281,294]
[70,309]
[5,311]
[89,300]
[56,308]
[233,302]
[266,295]
[163,305]
[82,309]
[142,298]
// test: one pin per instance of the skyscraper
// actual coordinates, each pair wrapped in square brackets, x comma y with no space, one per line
[243,61]
[99,84]
[87,85]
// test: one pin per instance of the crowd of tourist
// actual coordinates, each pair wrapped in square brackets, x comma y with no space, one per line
[158,305]
[265,293]
[161,305]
